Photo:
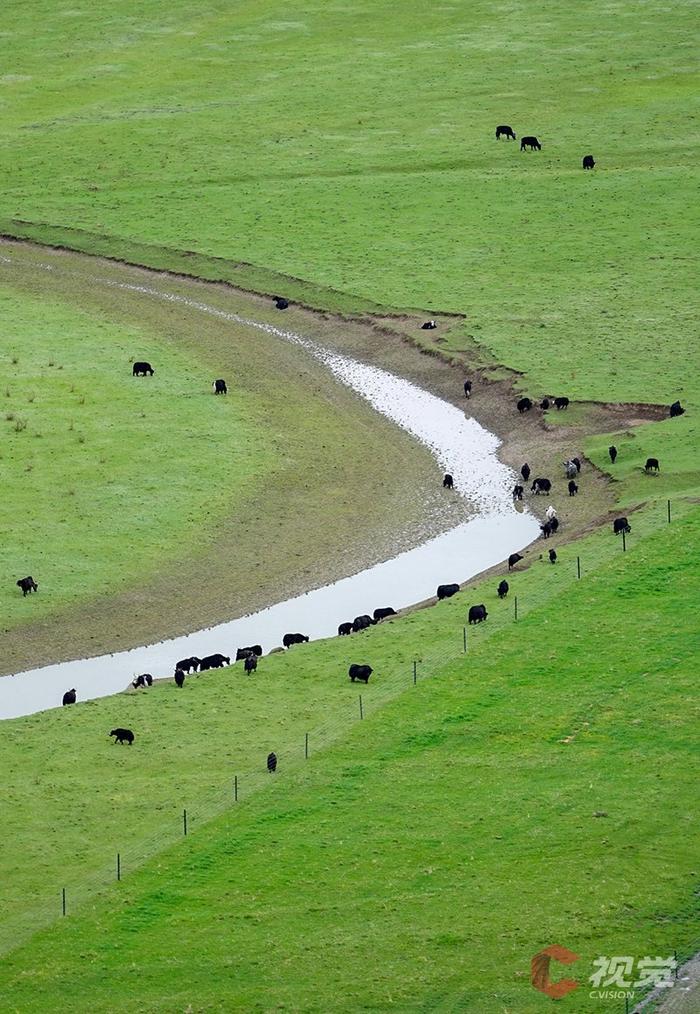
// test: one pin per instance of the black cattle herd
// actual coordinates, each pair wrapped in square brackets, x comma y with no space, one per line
[531,142]
[477,613]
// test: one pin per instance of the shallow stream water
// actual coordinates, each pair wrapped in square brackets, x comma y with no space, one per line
[459,444]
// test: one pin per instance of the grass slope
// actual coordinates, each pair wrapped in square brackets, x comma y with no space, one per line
[355,149]
[433,850]
[99,467]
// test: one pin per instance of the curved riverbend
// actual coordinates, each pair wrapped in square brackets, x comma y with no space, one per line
[459,444]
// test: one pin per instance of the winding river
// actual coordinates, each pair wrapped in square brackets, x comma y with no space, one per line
[459,444]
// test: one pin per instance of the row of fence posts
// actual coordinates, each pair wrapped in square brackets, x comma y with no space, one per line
[362,714]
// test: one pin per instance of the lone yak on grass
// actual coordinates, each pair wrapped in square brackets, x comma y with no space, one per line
[141,369]
[219,387]
[477,614]
[362,622]
[541,486]
[289,639]
[27,584]
[530,142]
[381,614]
[446,591]
[252,649]
[122,736]
[272,763]
[185,664]
[360,672]
[573,488]
[552,556]
[588,162]
[503,589]
[652,465]
[503,130]
[251,663]
[281,303]
[215,661]
[69,697]
[676,409]
[429,325]
[621,525]
[179,678]
[513,559]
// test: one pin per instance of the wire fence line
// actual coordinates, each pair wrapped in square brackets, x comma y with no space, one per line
[74,892]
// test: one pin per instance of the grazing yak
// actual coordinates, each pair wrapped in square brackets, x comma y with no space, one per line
[448,482]
[145,680]
[477,614]
[503,130]
[360,672]
[513,559]
[69,697]
[561,403]
[524,405]
[122,736]
[179,678]
[272,763]
[289,639]
[588,162]
[530,142]
[621,525]
[525,471]
[467,388]
[612,451]
[544,404]
[188,663]
[541,486]
[252,649]
[141,369]
[676,409]
[552,556]
[215,661]
[251,663]
[362,622]
[344,629]
[381,614]
[281,303]
[429,325]
[503,589]
[652,465]
[517,492]
[219,387]
[573,488]
[446,591]
[27,584]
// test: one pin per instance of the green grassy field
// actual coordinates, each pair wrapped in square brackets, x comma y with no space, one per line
[355,149]
[147,506]
[345,155]
[419,858]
